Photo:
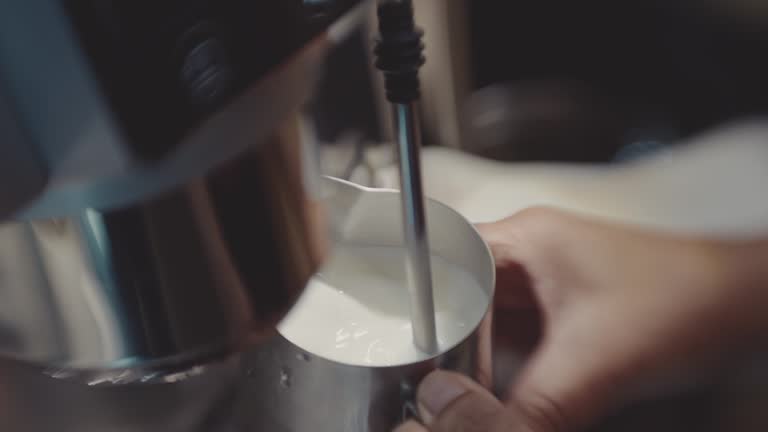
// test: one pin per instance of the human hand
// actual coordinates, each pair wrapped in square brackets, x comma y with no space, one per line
[623,312]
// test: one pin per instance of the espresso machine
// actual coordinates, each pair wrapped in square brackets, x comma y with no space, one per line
[158,206]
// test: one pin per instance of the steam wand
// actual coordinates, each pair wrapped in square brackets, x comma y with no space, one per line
[399,52]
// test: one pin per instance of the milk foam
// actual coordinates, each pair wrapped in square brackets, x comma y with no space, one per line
[355,311]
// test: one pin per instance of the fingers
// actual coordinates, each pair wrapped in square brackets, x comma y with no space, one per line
[620,308]
[562,402]
[453,403]
[569,382]
[524,247]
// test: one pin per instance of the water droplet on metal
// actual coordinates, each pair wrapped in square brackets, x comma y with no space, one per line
[149,377]
[303,357]
[285,378]
[405,387]
[60,373]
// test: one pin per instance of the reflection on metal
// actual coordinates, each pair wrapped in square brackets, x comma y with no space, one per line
[417,265]
[165,284]
[108,377]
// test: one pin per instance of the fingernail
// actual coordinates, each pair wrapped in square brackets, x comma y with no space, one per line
[436,392]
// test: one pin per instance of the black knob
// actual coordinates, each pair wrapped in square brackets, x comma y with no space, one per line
[399,50]
[206,72]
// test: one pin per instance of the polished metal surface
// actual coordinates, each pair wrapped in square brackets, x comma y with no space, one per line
[30,401]
[235,397]
[273,381]
[88,177]
[296,391]
[19,165]
[418,266]
[177,280]
[299,391]
[64,142]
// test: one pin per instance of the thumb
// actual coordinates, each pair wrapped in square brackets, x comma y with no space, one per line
[449,402]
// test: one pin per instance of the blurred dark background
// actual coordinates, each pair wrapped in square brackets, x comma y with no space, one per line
[586,81]
[629,70]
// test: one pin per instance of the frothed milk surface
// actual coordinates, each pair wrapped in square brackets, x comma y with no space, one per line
[355,311]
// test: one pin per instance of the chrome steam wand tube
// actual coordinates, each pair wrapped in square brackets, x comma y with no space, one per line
[400,55]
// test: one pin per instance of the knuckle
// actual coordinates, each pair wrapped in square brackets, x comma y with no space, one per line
[539,215]
[535,226]
[522,225]
[410,426]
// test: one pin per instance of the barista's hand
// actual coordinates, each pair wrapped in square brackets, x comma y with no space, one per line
[623,311]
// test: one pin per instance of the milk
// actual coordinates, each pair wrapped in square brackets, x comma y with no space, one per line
[355,311]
